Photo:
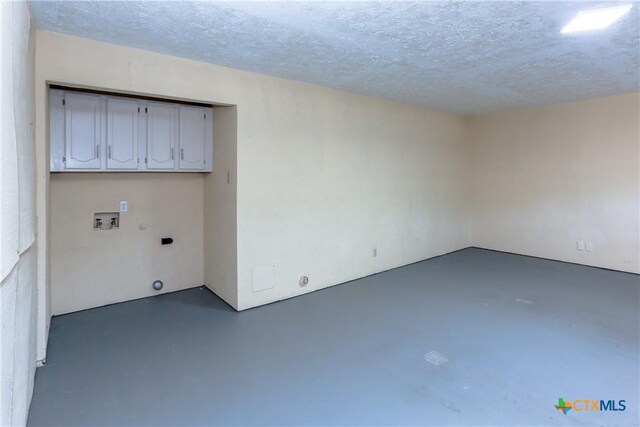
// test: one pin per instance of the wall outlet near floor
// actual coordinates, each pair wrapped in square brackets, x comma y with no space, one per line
[582,245]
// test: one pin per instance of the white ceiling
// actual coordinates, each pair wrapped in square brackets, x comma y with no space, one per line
[462,57]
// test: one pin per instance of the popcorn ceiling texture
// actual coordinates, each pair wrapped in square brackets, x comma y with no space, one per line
[462,57]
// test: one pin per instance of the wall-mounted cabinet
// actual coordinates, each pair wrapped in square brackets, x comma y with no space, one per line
[103,133]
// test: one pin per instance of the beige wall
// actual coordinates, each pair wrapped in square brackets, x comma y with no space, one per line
[325,177]
[90,268]
[17,213]
[544,178]
[220,209]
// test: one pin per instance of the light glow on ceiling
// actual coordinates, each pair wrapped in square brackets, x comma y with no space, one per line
[595,19]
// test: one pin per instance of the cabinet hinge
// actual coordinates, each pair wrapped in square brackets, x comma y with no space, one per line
[64,159]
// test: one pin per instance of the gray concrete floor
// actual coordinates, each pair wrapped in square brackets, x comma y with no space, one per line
[518,333]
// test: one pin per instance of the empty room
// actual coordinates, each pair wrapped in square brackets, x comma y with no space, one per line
[319,213]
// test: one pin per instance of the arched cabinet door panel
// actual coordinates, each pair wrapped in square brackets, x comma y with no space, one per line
[82,131]
[161,136]
[192,137]
[122,133]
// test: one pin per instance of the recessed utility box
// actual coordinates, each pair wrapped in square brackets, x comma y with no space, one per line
[106,220]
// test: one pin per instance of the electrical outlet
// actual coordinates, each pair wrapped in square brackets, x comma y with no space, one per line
[124,206]
[588,246]
[375,252]
[580,245]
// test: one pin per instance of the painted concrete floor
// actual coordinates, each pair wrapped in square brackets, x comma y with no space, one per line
[512,335]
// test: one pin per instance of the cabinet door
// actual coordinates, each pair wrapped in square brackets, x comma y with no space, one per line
[82,118]
[192,137]
[122,133]
[161,136]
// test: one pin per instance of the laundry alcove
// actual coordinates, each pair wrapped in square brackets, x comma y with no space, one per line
[166,169]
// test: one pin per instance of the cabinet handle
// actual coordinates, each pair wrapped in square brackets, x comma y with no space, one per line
[171,153]
[97,151]
[109,152]
[182,154]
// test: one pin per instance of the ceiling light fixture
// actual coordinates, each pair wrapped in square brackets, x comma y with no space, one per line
[595,19]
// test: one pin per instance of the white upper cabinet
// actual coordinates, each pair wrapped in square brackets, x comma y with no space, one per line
[122,133]
[192,137]
[82,131]
[161,136]
[104,133]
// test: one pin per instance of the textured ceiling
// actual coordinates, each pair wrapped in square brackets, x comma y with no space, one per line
[462,57]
